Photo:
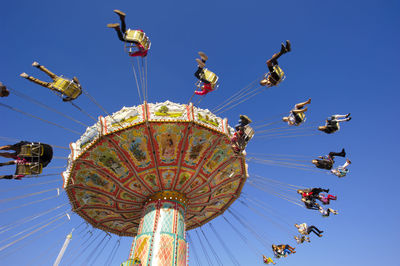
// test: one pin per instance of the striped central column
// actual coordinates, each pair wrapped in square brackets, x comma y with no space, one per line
[161,235]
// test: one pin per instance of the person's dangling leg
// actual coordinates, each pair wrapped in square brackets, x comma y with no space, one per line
[274,59]
[122,18]
[331,197]
[297,111]
[8,163]
[6,148]
[116,27]
[35,80]
[8,155]
[347,163]
[338,116]
[342,153]
[315,230]
[198,72]
[291,248]
[345,118]
[300,106]
[45,70]
[6,176]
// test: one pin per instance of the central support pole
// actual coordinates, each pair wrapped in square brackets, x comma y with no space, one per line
[161,234]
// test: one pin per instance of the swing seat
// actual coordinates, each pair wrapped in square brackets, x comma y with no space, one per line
[279,72]
[67,87]
[248,133]
[29,169]
[302,116]
[210,77]
[137,37]
[31,150]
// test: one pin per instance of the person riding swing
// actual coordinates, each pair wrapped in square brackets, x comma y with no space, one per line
[138,44]
[207,80]
[70,89]
[275,74]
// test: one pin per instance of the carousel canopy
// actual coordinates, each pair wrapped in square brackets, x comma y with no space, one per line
[145,151]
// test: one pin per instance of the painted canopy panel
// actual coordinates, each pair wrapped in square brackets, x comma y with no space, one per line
[138,151]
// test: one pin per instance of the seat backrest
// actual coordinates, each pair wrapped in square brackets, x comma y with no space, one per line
[67,87]
[279,72]
[31,150]
[29,169]
[73,90]
[248,132]
[138,36]
[210,77]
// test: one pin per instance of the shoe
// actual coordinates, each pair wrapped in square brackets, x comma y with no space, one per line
[200,63]
[283,49]
[24,75]
[348,119]
[320,235]
[348,161]
[245,118]
[288,46]
[35,64]
[75,79]
[203,56]
[113,25]
[308,101]
[348,115]
[119,13]
[263,82]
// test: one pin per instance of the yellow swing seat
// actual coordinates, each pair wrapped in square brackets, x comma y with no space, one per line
[302,116]
[67,87]
[139,37]
[210,77]
[29,169]
[31,150]
[279,72]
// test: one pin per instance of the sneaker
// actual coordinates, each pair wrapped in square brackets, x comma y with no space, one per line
[288,46]
[200,63]
[24,75]
[113,25]
[348,115]
[348,119]
[35,64]
[348,161]
[119,13]
[203,56]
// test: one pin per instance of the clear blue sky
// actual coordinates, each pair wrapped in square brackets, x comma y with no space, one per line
[345,57]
